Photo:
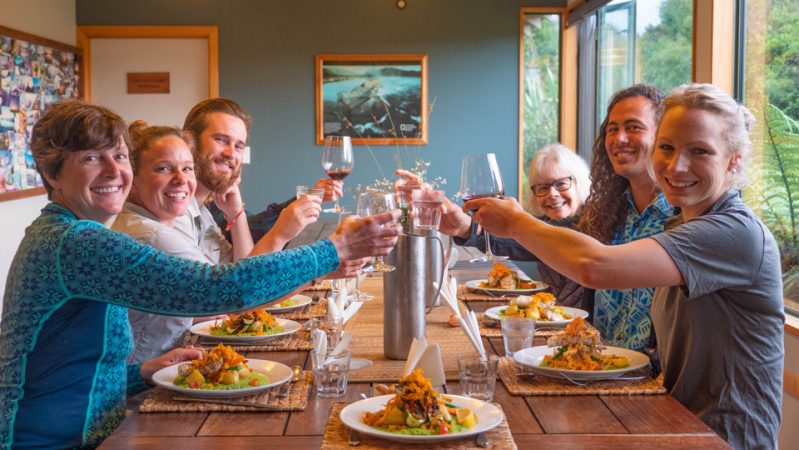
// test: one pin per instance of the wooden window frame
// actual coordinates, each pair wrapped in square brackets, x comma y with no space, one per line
[567,117]
[84,35]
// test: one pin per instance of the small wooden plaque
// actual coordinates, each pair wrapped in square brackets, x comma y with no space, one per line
[148,83]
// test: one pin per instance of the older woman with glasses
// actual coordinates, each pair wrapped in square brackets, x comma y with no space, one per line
[559,182]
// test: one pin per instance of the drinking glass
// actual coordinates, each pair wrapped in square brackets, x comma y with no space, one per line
[404,187]
[333,326]
[330,372]
[337,160]
[305,190]
[477,374]
[480,178]
[427,208]
[372,204]
[517,334]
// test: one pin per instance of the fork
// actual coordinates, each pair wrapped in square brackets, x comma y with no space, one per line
[585,382]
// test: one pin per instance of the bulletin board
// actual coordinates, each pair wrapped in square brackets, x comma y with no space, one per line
[35,72]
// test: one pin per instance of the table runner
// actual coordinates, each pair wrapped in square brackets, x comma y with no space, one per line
[160,400]
[337,435]
[367,342]
[543,385]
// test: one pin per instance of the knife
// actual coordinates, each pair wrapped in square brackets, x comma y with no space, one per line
[226,402]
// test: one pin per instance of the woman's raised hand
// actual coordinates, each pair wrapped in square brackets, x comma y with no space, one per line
[364,238]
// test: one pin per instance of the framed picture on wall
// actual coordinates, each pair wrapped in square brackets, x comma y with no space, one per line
[34,73]
[374,99]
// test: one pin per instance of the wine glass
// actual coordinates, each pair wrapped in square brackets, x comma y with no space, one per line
[337,161]
[480,178]
[372,204]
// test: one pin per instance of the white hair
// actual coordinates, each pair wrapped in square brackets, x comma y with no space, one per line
[557,158]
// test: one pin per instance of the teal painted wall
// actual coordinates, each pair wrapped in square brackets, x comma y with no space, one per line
[266,63]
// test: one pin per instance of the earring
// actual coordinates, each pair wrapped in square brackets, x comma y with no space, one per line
[734,171]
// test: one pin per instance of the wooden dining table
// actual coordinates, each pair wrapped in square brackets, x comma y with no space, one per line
[539,422]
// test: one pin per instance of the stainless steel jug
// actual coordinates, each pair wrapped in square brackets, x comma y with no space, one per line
[408,290]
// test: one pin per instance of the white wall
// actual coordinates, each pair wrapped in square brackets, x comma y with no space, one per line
[52,19]
[186,60]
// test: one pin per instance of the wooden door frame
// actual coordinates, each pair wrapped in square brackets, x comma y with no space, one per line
[85,34]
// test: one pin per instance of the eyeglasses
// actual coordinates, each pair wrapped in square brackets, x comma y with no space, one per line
[561,184]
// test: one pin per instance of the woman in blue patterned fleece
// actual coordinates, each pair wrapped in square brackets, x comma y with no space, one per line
[65,333]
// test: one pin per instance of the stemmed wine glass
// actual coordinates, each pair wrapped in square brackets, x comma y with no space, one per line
[480,178]
[337,161]
[372,204]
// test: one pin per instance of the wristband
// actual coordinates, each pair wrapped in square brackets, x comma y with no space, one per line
[231,222]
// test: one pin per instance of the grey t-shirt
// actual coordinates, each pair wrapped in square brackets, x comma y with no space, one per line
[721,334]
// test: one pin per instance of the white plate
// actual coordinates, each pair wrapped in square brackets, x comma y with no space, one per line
[302,300]
[475,284]
[574,312]
[275,372]
[358,363]
[532,357]
[488,416]
[203,329]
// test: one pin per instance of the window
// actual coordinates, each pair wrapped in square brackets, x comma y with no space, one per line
[540,96]
[642,41]
[770,88]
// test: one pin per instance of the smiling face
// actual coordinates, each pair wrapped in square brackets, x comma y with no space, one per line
[94,184]
[692,162]
[630,135]
[559,204]
[165,182]
[220,151]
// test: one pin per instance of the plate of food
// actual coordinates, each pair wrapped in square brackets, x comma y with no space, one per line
[402,416]
[254,326]
[290,304]
[541,307]
[504,280]
[223,373]
[577,354]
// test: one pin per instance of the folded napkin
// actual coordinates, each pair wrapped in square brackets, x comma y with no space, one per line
[319,341]
[428,358]
[337,308]
[449,294]
[471,328]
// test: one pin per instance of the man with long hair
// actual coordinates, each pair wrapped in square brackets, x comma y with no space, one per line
[624,205]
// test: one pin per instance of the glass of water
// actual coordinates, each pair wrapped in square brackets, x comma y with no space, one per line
[330,372]
[478,375]
[517,332]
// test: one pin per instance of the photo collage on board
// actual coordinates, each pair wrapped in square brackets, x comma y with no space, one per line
[32,77]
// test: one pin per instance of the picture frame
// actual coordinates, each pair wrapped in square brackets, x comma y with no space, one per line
[374,99]
[35,72]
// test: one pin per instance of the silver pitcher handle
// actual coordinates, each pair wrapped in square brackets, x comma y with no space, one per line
[443,271]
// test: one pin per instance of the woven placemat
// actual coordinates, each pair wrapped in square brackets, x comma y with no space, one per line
[160,400]
[337,437]
[492,328]
[292,342]
[543,385]
[316,310]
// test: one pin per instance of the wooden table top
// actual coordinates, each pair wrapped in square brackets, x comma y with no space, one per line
[543,422]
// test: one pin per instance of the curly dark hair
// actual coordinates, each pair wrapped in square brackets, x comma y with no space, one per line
[605,214]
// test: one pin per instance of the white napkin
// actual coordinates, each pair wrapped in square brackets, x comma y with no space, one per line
[428,358]
[472,330]
[450,297]
[319,342]
[337,308]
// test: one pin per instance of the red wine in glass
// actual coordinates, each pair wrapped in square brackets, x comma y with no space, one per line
[337,161]
[481,178]
[338,174]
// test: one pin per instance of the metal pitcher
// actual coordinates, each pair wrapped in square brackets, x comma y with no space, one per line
[408,290]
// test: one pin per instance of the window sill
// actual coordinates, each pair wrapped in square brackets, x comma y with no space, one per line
[792,324]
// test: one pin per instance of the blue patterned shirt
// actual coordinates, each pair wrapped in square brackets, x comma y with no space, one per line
[65,334]
[623,317]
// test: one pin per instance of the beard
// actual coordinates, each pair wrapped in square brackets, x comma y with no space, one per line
[205,172]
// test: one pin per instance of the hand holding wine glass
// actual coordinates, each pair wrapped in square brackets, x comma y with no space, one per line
[481,178]
[374,203]
[337,161]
